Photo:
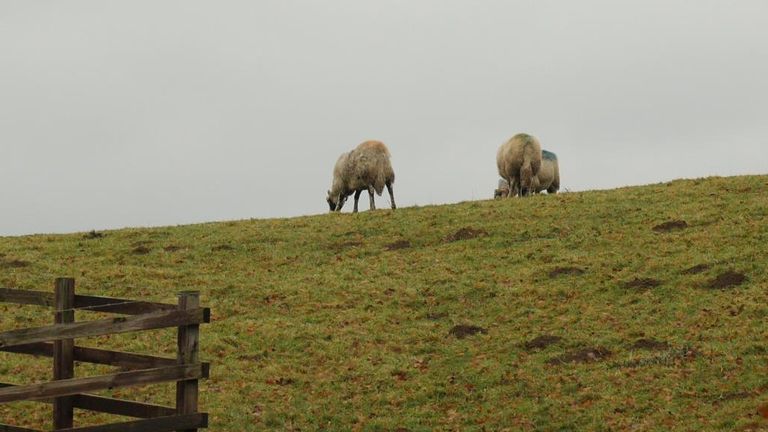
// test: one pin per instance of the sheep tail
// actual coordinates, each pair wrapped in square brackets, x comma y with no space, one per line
[381,180]
[526,174]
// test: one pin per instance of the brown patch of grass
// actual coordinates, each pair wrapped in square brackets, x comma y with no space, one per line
[567,271]
[650,344]
[541,342]
[222,247]
[14,263]
[642,283]
[466,233]
[141,250]
[400,244]
[461,331]
[699,268]
[584,355]
[671,226]
[727,280]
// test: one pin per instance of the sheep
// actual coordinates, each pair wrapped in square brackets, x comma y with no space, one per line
[503,190]
[548,178]
[519,161]
[549,173]
[367,167]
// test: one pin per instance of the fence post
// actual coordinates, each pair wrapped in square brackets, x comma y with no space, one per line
[63,351]
[188,347]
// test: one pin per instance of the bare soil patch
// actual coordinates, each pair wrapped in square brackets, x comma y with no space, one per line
[565,271]
[141,250]
[222,247]
[727,280]
[400,244]
[400,375]
[338,247]
[671,226]
[541,342]
[461,331]
[466,233]
[584,355]
[14,263]
[650,344]
[699,268]
[280,381]
[642,283]
[172,248]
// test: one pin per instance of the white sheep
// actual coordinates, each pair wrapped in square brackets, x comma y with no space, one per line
[548,178]
[367,167]
[549,173]
[503,190]
[519,161]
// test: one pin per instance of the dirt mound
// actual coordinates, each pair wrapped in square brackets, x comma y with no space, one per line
[584,355]
[466,233]
[141,250]
[699,268]
[671,226]
[461,331]
[650,344]
[642,283]
[567,271]
[541,342]
[13,263]
[727,280]
[400,244]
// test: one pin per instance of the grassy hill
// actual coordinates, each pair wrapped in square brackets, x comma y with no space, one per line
[639,308]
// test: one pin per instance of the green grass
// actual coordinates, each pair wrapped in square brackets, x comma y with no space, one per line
[317,326]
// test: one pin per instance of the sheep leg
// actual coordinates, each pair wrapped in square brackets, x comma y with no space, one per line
[391,195]
[370,194]
[357,197]
[339,203]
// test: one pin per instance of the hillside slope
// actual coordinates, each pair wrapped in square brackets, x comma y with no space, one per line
[580,311]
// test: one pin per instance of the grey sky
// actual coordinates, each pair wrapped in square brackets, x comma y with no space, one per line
[146,112]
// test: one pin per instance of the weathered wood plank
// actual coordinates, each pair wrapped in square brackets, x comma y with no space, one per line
[120,359]
[120,306]
[188,347]
[42,349]
[27,297]
[121,407]
[63,352]
[9,428]
[103,327]
[112,406]
[162,424]
[102,382]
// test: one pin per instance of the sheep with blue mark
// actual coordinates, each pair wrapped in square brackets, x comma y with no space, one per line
[518,161]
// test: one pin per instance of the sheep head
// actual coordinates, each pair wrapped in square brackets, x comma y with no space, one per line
[335,202]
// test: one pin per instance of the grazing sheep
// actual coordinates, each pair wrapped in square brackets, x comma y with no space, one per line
[519,161]
[367,167]
[503,190]
[548,178]
[549,173]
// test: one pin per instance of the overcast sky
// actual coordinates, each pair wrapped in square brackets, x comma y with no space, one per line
[147,112]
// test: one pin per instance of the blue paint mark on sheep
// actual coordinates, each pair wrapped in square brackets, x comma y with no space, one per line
[548,155]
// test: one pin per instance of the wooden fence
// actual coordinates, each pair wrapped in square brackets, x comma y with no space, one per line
[66,392]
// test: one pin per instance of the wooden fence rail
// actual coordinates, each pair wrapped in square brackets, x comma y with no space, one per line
[66,392]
